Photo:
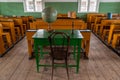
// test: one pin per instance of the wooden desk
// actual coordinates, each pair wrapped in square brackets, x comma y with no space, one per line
[2,48]
[116,37]
[30,42]
[113,28]
[86,41]
[9,25]
[107,22]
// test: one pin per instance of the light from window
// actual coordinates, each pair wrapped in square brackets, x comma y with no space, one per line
[92,6]
[38,5]
[87,5]
[84,4]
[33,5]
[30,6]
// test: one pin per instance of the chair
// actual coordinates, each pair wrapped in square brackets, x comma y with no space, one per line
[59,50]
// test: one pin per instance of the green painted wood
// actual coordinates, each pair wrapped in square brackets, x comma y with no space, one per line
[41,39]
[44,34]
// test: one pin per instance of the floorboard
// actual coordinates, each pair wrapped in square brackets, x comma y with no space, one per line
[103,64]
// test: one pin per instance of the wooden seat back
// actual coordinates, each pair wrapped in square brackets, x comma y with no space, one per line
[2,48]
[19,23]
[59,24]
[91,18]
[114,28]
[30,18]
[40,24]
[33,25]
[116,39]
[62,24]
[5,40]
[9,25]
[25,21]
[106,23]
[79,24]
[1,29]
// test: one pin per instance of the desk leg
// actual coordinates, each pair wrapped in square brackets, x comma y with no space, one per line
[114,41]
[30,49]
[41,52]
[2,49]
[87,49]
[74,52]
[36,55]
[78,57]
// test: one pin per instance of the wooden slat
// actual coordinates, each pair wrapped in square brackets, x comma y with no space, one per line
[108,69]
[103,64]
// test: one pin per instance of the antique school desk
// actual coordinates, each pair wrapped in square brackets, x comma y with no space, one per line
[41,40]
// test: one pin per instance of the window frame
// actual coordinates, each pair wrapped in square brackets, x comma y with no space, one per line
[79,7]
[34,7]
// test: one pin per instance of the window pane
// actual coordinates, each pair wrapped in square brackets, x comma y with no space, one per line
[84,6]
[33,5]
[88,5]
[29,5]
[83,9]
[93,5]
[38,5]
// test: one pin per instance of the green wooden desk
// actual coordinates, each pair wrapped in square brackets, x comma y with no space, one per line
[41,39]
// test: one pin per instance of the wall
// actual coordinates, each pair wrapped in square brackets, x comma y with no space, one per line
[16,8]
[0,9]
[109,7]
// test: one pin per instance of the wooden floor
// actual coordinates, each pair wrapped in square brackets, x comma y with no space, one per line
[103,64]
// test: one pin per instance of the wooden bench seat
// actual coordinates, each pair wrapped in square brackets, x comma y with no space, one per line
[59,24]
[106,29]
[33,25]
[91,18]
[97,23]
[113,29]
[19,23]
[25,21]
[9,25]
[2,48]
[105,24]
[116,39]
[4,36]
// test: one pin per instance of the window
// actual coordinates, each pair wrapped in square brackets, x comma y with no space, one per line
[33,5]
[88,5]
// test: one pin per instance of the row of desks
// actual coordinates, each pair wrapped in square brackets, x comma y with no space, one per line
[108,30]
[12,30]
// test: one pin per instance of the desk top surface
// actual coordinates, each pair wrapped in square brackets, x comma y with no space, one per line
[42,34]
